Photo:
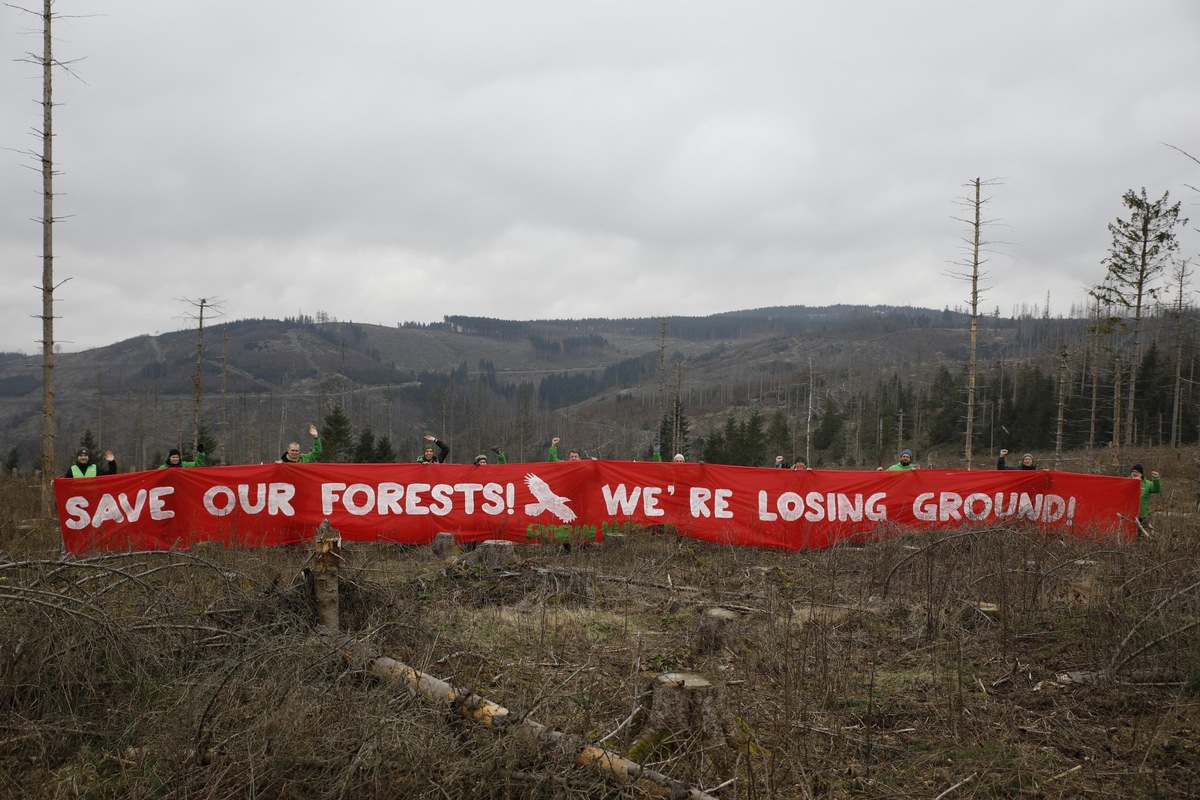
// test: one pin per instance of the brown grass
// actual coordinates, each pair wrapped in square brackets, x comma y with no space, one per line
[985,663]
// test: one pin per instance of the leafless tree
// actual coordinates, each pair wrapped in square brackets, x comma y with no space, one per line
[47,63]
[975,246]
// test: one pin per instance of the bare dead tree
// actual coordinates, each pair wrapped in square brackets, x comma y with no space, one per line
[197,387]
[975,246]
[1180,276]
[1062,404]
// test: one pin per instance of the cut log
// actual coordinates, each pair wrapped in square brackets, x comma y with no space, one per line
[492,715]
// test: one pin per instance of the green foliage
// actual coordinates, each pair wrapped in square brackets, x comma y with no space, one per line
[779,435]
[385,451]
[336,438]
[364,450]
[88,440]
[674,431]
[828,434]
[945,408]
[742,444]
[1142,246]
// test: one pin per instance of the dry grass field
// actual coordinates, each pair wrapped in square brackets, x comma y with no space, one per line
[999,662]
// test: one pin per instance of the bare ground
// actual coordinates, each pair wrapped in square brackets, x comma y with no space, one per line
[1005,662]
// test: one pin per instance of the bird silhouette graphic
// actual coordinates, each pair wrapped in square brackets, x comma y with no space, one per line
[547,500]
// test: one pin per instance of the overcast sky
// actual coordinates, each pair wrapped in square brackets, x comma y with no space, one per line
[386,161]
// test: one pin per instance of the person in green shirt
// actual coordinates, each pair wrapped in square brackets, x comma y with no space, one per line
[175,458]
[905,462]
[1151,485]
[572,455]
[293,454]
[482,458]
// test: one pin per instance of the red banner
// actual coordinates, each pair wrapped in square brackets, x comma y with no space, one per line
[274,504]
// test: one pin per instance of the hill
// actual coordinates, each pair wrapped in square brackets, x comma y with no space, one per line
[478,381]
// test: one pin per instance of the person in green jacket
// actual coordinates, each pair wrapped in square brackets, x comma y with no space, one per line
[1151,485]
[572,455]
[293,454]
[905,462]
[482,458]
[175,458]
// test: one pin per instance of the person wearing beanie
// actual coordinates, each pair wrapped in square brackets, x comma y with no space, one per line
[175,458]
[84,467]
[427,456]
[905,462]
[678,459]
[482,459]
[1151,485]
[800,463]
[1026,461]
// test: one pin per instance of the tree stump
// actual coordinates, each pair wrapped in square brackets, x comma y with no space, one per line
[444,545]
[323,572]
[683,707]
[490,553]
[718,630]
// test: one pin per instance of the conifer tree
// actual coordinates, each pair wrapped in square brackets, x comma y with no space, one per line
[1142,246]
[779,435]
[364,450]
[336,437]
[385,451]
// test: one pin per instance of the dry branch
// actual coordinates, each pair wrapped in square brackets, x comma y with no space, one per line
[491,715]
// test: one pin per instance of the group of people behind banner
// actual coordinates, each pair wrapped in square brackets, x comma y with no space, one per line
[84,467]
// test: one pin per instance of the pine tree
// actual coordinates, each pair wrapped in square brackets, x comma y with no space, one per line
[1142,246]
[674,429]
[385,451]
[336,438]
[364,451]
[779,435]
[88,440]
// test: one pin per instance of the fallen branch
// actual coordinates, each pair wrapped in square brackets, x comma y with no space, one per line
[491,715]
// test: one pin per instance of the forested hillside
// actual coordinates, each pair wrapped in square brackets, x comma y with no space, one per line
[847,386]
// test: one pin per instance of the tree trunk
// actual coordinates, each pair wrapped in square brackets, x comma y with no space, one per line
[323,571]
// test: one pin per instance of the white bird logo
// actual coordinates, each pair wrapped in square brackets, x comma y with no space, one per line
[547,500]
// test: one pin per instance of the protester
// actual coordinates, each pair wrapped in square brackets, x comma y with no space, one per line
[84,467]
[293,454]
[482,458]
[175,458]
[905,462]
[1026,461]
[1151,485]
[678,459]
[800,463]
[427,456]
[779,463]
[572,455]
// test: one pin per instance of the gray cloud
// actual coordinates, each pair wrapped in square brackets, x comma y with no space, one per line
[385,162]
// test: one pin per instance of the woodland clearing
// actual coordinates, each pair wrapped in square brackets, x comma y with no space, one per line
[987,662]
